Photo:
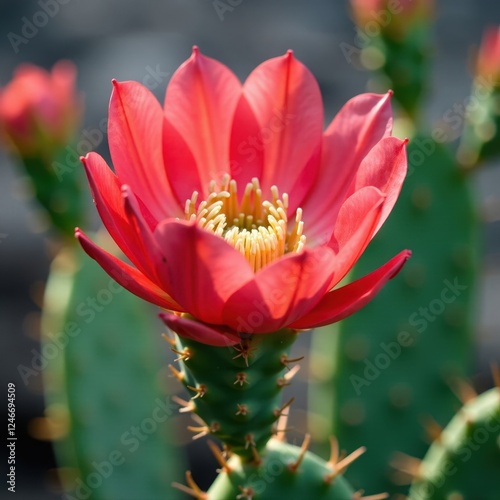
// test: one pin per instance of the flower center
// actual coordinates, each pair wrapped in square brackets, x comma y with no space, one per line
[257,228]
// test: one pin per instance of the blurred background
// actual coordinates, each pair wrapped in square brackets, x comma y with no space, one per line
[146,41]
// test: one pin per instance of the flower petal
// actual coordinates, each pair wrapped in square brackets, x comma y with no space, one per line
[286,101]
[246,154]
[385,168]
[200,100]
[200,332]
[354,131]
[107,194]
[342,302]
[203,269]
[127,276]
[135,140]
[355,227]
[281,292]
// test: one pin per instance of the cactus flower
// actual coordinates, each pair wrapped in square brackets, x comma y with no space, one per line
[238,214]
[488,58]
[40,110]
[392,17]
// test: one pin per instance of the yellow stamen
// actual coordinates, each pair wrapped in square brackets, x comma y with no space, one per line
[257,228]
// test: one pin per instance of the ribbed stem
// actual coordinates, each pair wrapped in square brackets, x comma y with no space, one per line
[236,390]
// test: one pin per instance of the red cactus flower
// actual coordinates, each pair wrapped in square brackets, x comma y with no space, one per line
[40,110]
[394,18]
[238,213]
[488,58]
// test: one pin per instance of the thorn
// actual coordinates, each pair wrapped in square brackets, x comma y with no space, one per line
[464,391]
[249,441]
[176,373]
[187,406]
[246,493]
[281,424]
[192,488]
[305,445]
[334,450]
[245,350]
[285,380]
[432,429]
[184,355]
[495,371]
[359,496]
[408,465]
[256,456]
[278,412]
[242,409]
[241,378]
[200,431]
[201,390]
[169,339]
[286,361]
[277,431]
[219,457]
[341,466]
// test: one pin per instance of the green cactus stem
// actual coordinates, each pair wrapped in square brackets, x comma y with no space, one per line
[102,386]
[381,369]
[283,471]
[464,462]
[236,390]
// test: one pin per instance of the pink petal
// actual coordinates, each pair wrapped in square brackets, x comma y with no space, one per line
[182,170]
[354,131]
[342,302]
[107,194]
[281,292]
[200,332]
[204,270]
[135,141]
[355,226]
[200,102]
[385,168]
[286,101]
[127,276]
[146,245]
[246,153]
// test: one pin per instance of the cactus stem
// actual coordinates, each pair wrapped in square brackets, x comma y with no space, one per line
[341,466]
[187,406]
[287,361]
[192,488]
[241,378]
[496,374]
[278,412]
[176,373]
[286,379]
[305,445]
[246,493]
[432,429]
[242,409]
[184,355]
[201,390]
[245,350]
[219,457]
